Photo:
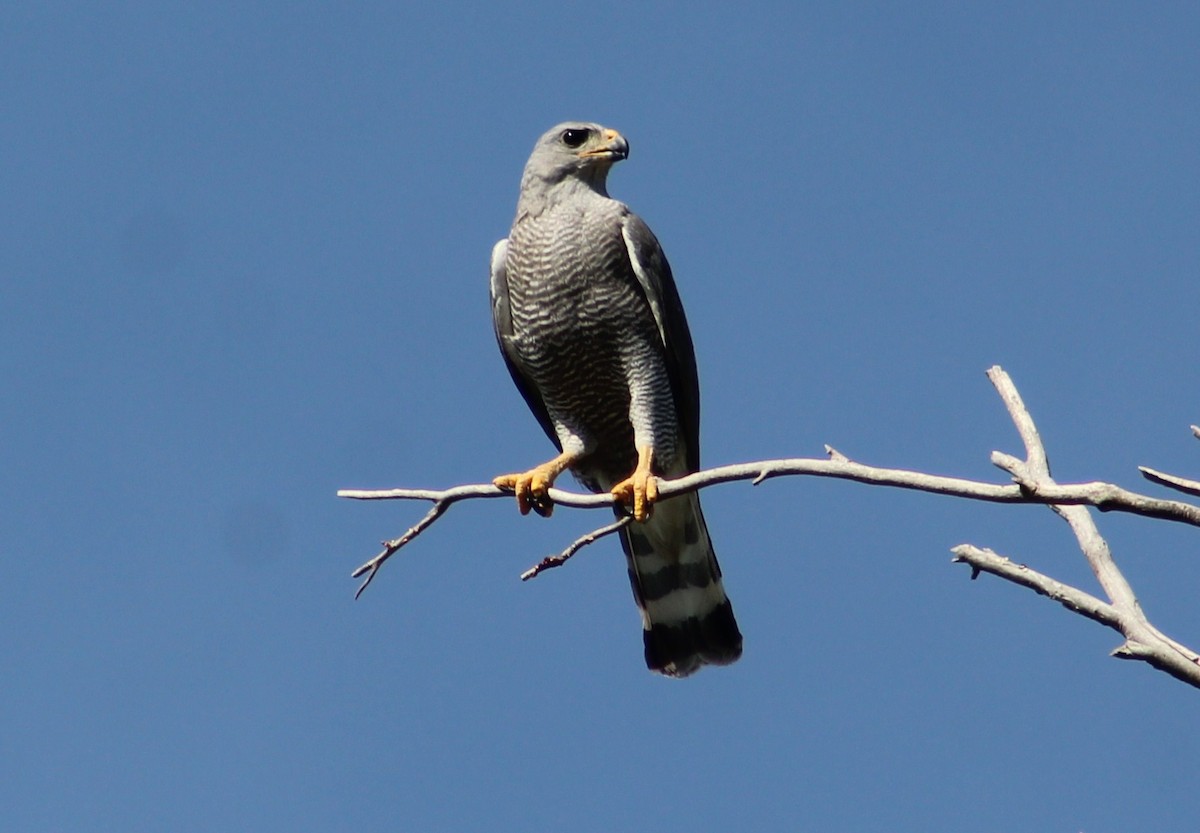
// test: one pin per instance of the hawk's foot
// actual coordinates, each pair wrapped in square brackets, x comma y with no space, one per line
[532,487]
[640,489]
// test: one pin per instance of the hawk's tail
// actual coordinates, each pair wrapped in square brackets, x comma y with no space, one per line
[686,616]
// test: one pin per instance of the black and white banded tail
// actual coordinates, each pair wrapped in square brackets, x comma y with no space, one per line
[687,619]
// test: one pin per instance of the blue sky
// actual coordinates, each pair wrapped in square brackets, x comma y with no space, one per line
[244,256]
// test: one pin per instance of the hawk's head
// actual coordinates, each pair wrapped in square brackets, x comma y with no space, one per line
[574,152]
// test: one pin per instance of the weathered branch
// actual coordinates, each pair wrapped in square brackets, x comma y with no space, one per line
[1033,475]
[1191,487]
[1159,651]
[551,561]
[1104,496]
[440,506]
[1142,640]
[1073,599]
[1032,484]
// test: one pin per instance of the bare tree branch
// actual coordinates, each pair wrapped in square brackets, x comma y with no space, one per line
[1033,475]
[1191,487]
[1142,640]
[579,543]
[1073,599]
[1180,662]
[371,568]
[1032,484]
[1104,496]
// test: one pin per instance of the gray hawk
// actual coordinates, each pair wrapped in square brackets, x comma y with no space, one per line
[593,333]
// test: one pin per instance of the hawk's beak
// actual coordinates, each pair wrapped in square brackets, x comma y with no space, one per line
[615,148]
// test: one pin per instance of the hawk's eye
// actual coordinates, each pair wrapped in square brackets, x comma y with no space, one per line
[574,137]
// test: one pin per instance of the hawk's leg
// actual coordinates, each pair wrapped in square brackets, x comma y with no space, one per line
[531,486]
[640,488]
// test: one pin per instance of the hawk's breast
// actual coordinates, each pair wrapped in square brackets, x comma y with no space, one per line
[582,326]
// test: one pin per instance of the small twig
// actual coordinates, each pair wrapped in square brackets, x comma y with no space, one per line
[1191,487]
[834,454]
[442,500]
[1073,599]
[1035,452]
[551,561]
[390,547]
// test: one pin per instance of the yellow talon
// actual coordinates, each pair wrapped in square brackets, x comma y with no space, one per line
[531,487]
[641,488]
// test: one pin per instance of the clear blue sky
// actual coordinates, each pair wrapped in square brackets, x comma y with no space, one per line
[244,258]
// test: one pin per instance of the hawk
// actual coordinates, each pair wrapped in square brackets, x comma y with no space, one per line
[593,333]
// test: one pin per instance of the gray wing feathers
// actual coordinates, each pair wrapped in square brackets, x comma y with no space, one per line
[502,322]
[654,274]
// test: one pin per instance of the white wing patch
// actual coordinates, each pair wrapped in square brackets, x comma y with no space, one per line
[499,254]
[650,287]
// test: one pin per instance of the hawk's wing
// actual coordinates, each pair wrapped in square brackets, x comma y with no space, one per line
[502,321]
[654,275]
